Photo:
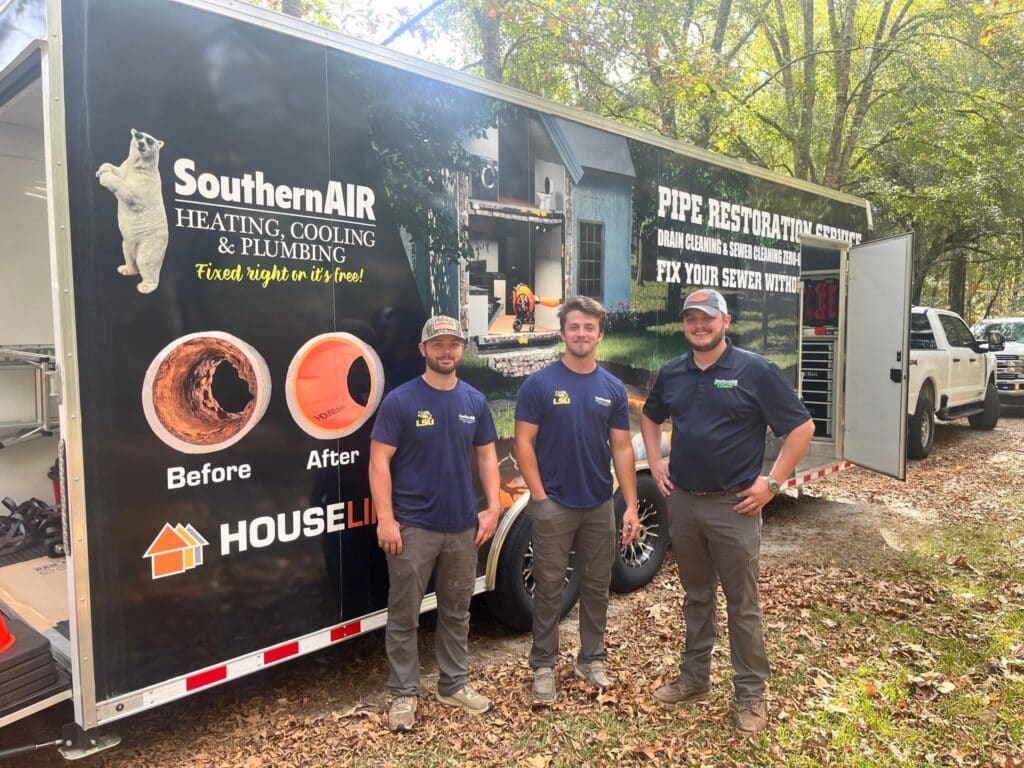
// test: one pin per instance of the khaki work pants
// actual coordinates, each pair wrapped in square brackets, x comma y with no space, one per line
[556,531]
[451,557]
[712,543]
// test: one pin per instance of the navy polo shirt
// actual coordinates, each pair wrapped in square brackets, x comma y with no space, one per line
[719,417]
[434,431]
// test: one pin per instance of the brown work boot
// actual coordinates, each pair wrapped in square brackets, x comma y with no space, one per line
[544,690]
[751,716]
[595,673]
[470,700]
[402,715]
[678,692]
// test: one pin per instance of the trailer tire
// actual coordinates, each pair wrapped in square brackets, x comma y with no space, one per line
[637,564]
[921,428]
[989,417]
[511,602]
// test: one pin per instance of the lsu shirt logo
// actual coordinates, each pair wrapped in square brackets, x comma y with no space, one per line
[424,419]
[561,398]
[727,383]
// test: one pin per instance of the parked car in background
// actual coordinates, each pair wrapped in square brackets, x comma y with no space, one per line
[952,376]
[1010,373]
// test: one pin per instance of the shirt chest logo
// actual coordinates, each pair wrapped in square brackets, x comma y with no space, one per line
[467,419]
[424,419]
[603,401]
[561,398]
[727,383]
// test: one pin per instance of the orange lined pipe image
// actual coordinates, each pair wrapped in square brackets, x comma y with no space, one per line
[334,384]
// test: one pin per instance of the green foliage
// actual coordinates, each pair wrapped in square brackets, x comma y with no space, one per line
[916,106]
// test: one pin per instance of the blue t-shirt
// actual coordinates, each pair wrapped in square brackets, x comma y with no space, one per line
[720,416]
[574,412]
[433,431]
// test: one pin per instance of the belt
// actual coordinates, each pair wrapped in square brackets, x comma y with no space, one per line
[734,489]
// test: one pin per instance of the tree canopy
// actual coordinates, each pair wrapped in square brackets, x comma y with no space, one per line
[914,104]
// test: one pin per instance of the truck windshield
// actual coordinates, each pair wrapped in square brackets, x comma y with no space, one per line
[1011,330]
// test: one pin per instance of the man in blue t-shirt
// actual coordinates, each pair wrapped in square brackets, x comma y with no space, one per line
[427,518]
[572,424]
[721,400]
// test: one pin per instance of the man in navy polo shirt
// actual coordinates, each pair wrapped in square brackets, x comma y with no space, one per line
[721,399]
[427,519]
[572,423]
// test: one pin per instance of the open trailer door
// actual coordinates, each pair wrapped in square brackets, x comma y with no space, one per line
[877,355]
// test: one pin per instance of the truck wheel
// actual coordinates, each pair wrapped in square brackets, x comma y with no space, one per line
[511,602]
[921,429]
[989,417]
[635,565]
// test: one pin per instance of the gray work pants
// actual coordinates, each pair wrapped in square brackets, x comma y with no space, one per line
[454,557]
[556,531]
[713,543]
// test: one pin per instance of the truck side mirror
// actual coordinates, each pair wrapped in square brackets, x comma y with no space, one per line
[996,342]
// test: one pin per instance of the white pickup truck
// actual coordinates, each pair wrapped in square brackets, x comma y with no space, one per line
[952,375]
[1010,376]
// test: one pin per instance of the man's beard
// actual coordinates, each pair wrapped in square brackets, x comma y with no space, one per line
[437,367]
[585,353]
[709,345]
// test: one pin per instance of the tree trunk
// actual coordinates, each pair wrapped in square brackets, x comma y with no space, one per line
[292,8]
[489,26]
[957,281]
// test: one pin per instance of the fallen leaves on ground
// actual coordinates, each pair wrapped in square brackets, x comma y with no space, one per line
[832,610]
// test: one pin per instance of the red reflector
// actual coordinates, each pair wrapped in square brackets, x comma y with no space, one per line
[819,331]
[209,677]
[340,633]
[281,652]
[821,473]
[835,468]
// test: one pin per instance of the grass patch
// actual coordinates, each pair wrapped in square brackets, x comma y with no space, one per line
[943,684]
[504,414]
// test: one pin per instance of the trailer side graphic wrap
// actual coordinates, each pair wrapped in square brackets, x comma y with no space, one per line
[260,226]
[245,261]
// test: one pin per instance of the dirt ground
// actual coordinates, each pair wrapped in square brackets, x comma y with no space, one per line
[851,518]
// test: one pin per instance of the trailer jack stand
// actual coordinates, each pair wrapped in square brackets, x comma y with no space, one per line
[76,743]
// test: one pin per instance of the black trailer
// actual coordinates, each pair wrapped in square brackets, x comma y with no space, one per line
[222,229]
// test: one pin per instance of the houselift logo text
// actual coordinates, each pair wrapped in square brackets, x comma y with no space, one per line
[179,548]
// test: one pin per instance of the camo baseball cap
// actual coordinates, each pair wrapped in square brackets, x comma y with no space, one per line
[707,300]
[441,325]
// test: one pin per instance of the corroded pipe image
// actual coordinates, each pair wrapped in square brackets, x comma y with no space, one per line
[204,391]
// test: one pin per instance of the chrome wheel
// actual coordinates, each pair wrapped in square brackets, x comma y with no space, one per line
[639,551]
[528,581]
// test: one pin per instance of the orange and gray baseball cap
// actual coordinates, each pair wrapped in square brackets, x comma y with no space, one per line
[707,300]
[441,325]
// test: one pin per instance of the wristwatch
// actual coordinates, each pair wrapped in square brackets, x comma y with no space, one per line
[773,484]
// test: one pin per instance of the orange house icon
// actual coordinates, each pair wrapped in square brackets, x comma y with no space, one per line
[175,549]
